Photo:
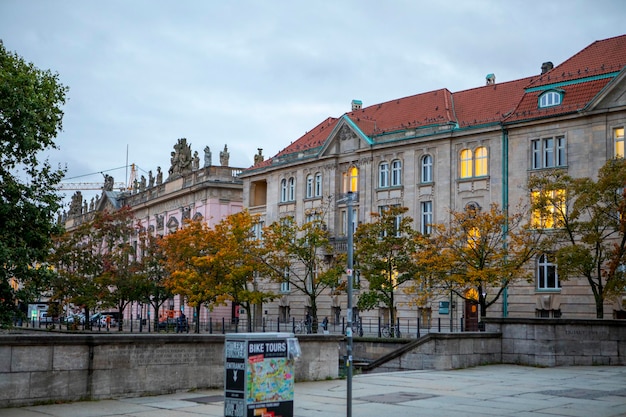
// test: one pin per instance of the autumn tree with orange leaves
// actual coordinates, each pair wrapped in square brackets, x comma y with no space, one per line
[476,255]
[211,266]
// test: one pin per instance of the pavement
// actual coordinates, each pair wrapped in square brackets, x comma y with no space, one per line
[494,390]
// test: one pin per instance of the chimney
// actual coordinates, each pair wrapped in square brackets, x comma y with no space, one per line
[356,105]
[491,79]
[546,66]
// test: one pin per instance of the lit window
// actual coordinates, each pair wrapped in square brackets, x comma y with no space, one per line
[396,173]
[549,99]
[350,180]
[549,209]
[318,185]
[618,134]
[547,275]
[549,152]
[481,162]
[466,164]
[383,175]
[309,186]
[426,214]
[427,168]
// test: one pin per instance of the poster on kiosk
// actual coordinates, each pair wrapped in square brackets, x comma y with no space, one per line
[259,374]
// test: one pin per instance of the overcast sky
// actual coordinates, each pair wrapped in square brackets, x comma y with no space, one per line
[259,74]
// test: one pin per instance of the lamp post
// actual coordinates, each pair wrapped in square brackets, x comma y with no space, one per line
[349,273]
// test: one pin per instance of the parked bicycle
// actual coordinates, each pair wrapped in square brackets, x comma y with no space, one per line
[390,331]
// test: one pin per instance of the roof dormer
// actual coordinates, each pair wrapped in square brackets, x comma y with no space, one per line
[550,98]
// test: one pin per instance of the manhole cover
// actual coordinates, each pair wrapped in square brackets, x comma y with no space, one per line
[206,400]
[397,397]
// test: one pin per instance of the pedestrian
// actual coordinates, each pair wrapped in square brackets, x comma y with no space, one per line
[325,323]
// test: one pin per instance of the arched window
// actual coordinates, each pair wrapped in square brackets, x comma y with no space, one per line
[547,275]
[309,186]
[550,98]
[481,162]
[466,164]
[318,185]
[283,190]
[427,168]
[353,175]
[291,189]
[396,173]
[383,175]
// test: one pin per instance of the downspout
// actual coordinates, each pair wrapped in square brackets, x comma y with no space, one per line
[505,206]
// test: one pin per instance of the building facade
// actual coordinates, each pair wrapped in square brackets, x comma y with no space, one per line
[161,206]
[439,151]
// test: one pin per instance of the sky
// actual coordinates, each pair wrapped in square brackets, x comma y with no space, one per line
[255,74]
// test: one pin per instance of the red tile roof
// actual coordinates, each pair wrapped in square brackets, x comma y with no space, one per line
[580,78]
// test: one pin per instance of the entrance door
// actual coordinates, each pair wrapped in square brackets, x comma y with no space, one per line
[471,316]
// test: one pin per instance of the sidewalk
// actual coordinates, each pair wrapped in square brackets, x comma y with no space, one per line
[494,390]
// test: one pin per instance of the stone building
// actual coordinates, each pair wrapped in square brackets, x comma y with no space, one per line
[210,192]
[440,150]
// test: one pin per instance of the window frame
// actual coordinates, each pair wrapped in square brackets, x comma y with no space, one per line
[291,189]
[550,98]
[548,152]
[396,173]
[283,190]
[618,142]
[466,158]
[426,170]
[547,274]
[426,217]
[383,174]
[317,185]
[481,160]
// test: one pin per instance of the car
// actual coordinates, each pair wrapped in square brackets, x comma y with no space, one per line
[78,318]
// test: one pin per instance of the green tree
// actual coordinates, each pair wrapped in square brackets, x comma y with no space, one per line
[30,118]
[121,273]
[477,255]
[588,226]
[384,252]
[303,256]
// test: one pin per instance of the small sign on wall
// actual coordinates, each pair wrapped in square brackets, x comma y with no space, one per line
[444,307]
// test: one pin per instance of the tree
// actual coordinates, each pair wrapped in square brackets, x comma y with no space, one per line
[190,260]
[30,118]
[384,252]
[303,256]
[121,271]
[477,255]
[152,260]
[77,262]
[587,221]
[240,257]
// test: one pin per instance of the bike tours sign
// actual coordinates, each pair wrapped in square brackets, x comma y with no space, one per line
[259,375]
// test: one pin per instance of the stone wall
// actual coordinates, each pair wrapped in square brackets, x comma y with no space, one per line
[561,342]
[44,367]
[440,351]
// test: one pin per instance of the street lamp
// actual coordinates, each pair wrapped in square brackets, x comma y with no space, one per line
[349,200]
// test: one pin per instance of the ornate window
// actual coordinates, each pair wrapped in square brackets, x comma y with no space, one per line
[618,136]
[427,168]
[396,173]
[547,274]
[549,152]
